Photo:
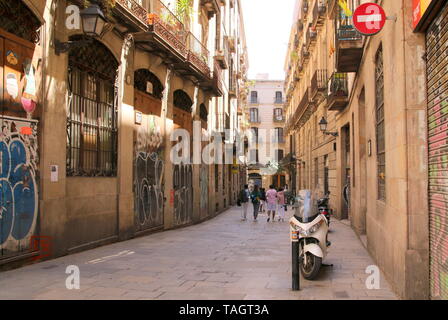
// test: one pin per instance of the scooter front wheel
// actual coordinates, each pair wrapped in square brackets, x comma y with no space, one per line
[310,266]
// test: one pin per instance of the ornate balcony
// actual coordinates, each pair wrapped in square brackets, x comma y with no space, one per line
[318,83]
[133,11]
[349,47]
[198,56]
[222,56]
[303,111]
[166,35]
[338,94]
[217,80]
[319,10]
[311,36]
[233,86]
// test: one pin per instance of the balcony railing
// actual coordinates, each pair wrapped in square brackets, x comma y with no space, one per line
[167,30]
[338,93]
[348,32]
[319,10]
[349,46]
[222,55]
[305,52]
[318,82]
[135,9]
[279,100]
[305,7]
[198,55]
[311,36]
[217,80]
[278,118]
[254,100]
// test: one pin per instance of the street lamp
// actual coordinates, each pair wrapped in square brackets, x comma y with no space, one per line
[323,127]
[93,22]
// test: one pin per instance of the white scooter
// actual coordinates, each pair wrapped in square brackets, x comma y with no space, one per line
[310,228]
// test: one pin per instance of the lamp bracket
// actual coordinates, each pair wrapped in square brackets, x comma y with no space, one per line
[63,47]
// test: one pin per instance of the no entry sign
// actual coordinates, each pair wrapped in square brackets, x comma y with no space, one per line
[369,19]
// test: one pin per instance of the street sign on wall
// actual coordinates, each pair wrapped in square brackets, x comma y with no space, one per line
[369,19]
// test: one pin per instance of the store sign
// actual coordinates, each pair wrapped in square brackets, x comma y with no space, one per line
[420,7]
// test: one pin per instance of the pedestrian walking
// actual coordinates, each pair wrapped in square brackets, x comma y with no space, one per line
[281,204]
[271,202]
[243,199]
[255,198]
[263,200]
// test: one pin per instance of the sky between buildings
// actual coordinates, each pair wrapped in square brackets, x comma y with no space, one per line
[268,25]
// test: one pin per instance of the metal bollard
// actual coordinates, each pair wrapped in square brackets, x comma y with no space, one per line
[295,266]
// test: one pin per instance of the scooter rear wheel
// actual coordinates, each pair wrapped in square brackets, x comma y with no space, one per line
[311,269]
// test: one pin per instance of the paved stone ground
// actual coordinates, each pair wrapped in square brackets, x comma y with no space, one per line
[223,259]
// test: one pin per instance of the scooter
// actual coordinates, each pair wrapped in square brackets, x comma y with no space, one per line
[324,208]
[309,227]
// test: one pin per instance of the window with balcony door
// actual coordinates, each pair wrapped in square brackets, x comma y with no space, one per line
[278,97]
[253,97]
[254,115]
[278,114]
[278,137]
[279,154]
[255,134]
[380,125]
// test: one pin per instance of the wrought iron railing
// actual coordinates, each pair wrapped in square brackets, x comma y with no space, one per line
[168,27]
[320,8]
[198,55]
[348,33]
[319,81]
[135,9]
[338,85]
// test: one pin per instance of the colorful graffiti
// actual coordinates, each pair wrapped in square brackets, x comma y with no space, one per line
[18,184]
[148,177]
[183,193]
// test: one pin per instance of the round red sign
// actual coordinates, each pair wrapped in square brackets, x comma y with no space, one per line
[369,18]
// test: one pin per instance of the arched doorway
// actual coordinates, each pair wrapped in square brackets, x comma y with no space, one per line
[20,108]
[149,166]
[183,172]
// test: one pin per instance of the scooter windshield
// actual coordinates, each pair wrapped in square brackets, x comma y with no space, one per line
[305,206]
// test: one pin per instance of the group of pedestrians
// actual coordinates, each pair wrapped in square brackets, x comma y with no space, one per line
[271,201]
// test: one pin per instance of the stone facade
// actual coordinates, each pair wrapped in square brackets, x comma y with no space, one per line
[388,208]
[97,184]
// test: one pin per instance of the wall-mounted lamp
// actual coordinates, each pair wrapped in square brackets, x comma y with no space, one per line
[93,22]
[323,127]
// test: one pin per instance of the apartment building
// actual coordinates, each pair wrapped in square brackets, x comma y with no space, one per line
[265,113]
[357,122]
[90,94]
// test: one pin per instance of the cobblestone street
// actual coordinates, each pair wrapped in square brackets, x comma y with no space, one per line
[222,258]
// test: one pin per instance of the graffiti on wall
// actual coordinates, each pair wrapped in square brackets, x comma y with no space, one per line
[204,190]
[18,184]
[183,193]
[438,178]
[148,176]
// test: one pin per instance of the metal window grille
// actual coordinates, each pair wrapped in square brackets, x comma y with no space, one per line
[380,126]
[91,125]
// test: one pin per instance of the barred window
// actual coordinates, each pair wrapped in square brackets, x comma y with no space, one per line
[380,126]
[92,116]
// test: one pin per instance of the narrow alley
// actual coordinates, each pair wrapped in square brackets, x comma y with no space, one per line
[220,259]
